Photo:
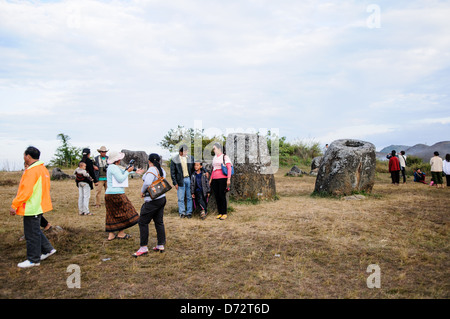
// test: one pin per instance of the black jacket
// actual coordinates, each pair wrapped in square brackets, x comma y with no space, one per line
[176,171]
[90,168]
[205,182]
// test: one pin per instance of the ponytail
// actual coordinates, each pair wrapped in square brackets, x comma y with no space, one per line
[155,160]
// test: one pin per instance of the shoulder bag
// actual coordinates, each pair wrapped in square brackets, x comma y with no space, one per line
[225,169]
[159,186]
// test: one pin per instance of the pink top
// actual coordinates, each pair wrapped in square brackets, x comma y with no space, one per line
[217,167]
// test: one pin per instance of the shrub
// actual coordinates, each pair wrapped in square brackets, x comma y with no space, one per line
[382,166]
[413,160]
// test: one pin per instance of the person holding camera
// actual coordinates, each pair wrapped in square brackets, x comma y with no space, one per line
[120,212]
[100,167]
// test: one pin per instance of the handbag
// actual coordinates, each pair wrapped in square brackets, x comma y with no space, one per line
[225,169]
[159,186]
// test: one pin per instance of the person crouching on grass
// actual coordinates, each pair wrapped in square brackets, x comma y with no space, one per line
[152,208]
[84,184]
[32,200]
[200,188]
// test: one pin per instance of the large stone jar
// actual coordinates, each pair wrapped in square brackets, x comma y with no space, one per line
[348,166]
[253,178]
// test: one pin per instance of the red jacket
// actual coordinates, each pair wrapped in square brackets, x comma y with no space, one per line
[394,164]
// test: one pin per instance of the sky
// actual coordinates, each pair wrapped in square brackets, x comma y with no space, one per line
[123,73]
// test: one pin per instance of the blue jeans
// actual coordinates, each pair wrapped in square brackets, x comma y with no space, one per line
[184,191]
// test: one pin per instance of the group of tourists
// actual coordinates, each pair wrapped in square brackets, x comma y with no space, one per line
[439,168]
[191,180]
[89,173]
[194,183]
[397,164]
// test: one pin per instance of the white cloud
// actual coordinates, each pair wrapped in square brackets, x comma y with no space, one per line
[306,67]
[357,132]
[439,120]
[410,102]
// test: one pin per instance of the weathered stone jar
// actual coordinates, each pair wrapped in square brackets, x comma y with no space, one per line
[348,166]
[140,157]
[253,178]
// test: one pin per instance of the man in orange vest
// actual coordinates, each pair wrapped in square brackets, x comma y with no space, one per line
[32,200]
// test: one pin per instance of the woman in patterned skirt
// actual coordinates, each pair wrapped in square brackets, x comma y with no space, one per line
[120,213]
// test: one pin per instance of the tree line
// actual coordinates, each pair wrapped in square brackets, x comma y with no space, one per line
[290,153]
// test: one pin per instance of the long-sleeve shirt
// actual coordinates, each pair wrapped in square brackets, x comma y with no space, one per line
[120,175]
[436,164]
[402,159]
[148,179]
[446,167]
[394,164]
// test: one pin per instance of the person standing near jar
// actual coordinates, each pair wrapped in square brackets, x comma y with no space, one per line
[220,183]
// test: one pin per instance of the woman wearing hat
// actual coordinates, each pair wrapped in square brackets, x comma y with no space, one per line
[120,213]
[100,166]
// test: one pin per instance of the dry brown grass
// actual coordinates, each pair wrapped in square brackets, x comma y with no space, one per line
[296,247]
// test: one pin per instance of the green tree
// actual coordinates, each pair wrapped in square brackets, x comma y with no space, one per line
[293,153]
[181,135]
[66,155]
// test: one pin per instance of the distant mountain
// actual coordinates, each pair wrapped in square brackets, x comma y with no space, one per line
[397,148]
[425,154]
[422,151]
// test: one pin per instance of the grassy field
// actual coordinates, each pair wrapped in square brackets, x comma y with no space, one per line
[295,247]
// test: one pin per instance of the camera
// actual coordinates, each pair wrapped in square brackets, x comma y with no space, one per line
[131,163]
[105,168]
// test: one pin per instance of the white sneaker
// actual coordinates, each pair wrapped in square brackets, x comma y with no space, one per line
[27,264]
[45,256]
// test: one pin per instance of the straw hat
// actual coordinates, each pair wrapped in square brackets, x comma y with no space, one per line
[115,156]
[102,149]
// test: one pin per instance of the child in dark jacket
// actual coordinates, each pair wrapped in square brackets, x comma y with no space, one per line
[200,188]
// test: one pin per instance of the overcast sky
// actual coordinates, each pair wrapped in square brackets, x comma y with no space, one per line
[122,73]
